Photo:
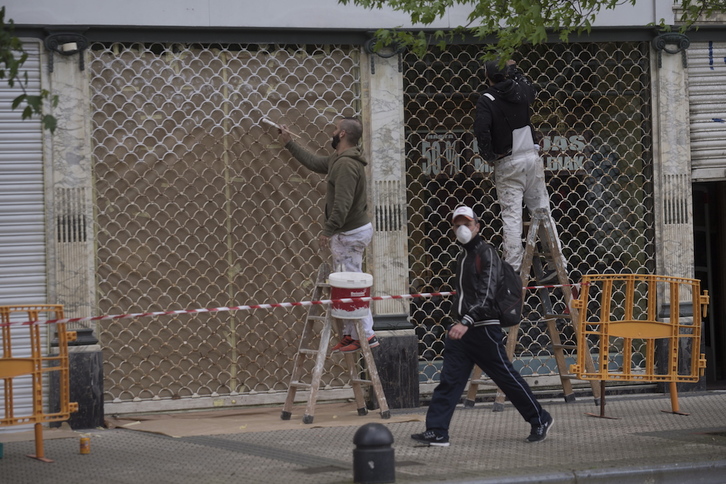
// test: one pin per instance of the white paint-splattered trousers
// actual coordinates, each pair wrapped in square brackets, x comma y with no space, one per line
[520,178]
[347,249]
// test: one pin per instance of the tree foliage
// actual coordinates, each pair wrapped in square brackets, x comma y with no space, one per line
[12,58]
[512,23]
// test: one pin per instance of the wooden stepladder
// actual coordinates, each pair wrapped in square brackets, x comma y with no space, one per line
[314,344]
[540,227]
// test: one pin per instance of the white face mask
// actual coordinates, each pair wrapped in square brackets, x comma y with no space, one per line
[463,234]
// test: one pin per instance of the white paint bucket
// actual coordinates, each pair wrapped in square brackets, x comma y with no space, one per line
[345,285]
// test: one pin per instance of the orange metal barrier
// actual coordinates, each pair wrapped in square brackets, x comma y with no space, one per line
[628,305]
[35,365]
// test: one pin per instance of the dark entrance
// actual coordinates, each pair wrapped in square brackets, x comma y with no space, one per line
[709,233]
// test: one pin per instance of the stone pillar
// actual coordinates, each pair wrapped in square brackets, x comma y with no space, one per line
[70,242]
[69,189]
[397,358]
[672,163]
[389,257]
[673,194]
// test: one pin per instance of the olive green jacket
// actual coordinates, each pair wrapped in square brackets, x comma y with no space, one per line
[346,202]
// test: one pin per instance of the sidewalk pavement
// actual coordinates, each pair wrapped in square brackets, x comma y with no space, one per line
[644,445]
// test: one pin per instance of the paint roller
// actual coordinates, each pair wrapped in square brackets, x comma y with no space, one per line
[275,125]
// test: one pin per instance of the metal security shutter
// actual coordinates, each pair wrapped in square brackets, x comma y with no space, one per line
[22,228]
[706,80]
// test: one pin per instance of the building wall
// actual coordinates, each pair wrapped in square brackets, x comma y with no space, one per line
[318,14]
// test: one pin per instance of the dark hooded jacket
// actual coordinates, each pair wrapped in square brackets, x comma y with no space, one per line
[346,203]
[497,119]
[478,271]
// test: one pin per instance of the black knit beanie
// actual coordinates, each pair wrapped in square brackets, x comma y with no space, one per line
[494,72]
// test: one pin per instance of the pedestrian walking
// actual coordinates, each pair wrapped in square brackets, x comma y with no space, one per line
[476,338]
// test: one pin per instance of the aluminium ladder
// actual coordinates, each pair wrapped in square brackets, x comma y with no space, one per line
[321,313]
[541,225]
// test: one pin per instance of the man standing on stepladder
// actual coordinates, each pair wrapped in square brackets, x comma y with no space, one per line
[505,137]
[347,230]
[477,338]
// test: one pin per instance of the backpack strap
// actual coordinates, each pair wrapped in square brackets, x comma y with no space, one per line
[477,261]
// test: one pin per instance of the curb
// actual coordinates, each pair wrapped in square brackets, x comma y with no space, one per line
[713,472]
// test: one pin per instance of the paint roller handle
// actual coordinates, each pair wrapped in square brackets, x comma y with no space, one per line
[282,130]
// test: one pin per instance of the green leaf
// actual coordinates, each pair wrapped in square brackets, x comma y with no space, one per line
[35,102]
[12,58]
[49,123]
[18,100]
[508,24]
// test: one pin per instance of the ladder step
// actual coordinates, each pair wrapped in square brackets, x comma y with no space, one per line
[300,384]
[564,347]
[316,318]
[362,382]
[308,351]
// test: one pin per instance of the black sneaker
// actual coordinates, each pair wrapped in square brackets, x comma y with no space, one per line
[429,437]
[539,432]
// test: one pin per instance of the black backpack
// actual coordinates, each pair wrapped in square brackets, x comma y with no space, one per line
[509,293]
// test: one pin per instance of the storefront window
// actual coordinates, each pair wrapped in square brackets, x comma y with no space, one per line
[593,121]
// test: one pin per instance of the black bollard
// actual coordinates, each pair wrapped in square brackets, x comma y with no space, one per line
[373,461]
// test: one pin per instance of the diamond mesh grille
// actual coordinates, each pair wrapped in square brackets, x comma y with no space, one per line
[593,116]
[198,207]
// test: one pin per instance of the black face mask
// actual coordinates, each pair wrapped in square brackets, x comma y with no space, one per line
[335,141]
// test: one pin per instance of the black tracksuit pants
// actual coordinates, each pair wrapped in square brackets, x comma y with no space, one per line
[483,346]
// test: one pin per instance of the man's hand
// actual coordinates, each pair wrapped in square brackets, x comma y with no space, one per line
[285,135]
[324,241]
[457,331]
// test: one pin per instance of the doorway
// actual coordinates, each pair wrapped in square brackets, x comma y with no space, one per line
[709,233]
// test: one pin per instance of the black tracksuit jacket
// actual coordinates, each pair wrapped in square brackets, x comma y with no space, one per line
[478,270]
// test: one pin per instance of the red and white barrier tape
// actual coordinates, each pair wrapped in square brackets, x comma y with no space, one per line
[234,308]
[253,306]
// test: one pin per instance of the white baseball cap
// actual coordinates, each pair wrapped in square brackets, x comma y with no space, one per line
[465,211]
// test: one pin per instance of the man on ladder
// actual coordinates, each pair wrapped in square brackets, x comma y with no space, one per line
[347,229]
[505,137]
[504,133]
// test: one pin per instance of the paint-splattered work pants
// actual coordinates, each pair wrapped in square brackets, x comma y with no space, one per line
[347,249]
[521,178]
